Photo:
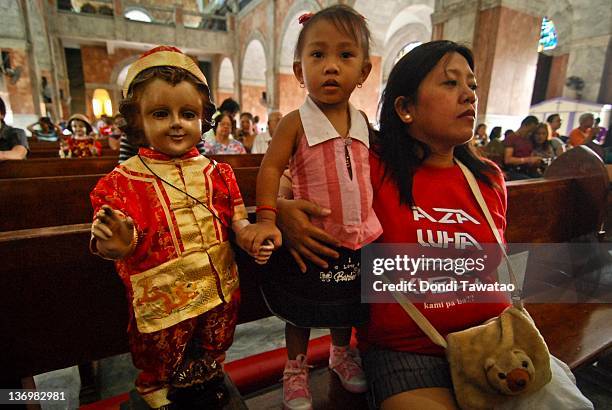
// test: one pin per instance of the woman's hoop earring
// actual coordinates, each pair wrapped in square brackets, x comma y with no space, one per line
[359,85]
[302,85]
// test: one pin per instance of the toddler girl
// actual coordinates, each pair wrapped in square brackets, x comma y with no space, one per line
[326,144]
[165,216]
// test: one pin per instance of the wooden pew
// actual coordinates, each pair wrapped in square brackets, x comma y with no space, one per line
[50,167]
[44,167]
[28,203]
[69,306]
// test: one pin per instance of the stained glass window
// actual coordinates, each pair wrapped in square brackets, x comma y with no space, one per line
[548,35]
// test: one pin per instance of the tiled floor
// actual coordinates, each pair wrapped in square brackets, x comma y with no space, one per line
[117,374]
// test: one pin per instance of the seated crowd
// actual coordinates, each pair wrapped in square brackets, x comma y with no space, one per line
[78,137]
[528,151]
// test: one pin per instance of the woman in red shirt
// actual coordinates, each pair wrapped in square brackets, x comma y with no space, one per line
[427,119]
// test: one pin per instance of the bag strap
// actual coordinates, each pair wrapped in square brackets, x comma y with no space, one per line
[417,317]
[471,180]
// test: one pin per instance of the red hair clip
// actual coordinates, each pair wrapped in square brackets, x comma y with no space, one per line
[305,17]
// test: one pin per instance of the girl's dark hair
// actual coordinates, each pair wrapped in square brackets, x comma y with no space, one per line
[218,119]
[495,133]
[346,20]
[130,106]
[401,153]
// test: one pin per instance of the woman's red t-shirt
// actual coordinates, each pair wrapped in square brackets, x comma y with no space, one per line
[436,191]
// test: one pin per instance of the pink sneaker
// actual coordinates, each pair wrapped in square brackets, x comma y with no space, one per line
[296,394]
[346,363]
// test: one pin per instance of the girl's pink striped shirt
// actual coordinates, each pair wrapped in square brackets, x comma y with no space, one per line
[320,174]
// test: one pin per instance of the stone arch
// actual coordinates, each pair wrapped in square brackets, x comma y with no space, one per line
[290,31]
[117,78]
[227,80]
[412,23]
[290,95]
[407,34]
[253,76]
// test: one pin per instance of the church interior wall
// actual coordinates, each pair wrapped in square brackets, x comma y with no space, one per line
[501,33]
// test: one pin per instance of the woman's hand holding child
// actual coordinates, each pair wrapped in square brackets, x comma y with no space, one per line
[259,240]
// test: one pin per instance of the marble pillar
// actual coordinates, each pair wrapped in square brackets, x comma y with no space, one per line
[504,41]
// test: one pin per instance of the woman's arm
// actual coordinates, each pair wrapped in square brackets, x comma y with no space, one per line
[510,159]
[303,239]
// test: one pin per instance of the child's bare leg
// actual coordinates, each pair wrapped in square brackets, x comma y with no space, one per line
[297,340]
[341,336]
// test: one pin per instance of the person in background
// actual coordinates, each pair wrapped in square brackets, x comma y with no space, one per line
[607,145]
[256,125]
[46,130]
[494,150]
[223,142]
[557,142]
[543,148]
[599,132]
[245,134]
[114,138]
[106,127]
[582,134]
[13,141]
[518,157]
[480,137]
[262,141]
[229,107]
[554,121]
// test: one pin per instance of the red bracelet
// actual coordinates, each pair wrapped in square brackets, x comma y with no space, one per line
[266,208]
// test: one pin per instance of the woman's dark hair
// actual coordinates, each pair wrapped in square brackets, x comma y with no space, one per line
[229,105]
[218,119]
[130,106]
[533,137]
[495,133]
[401,153]
[346,20]
[2,107]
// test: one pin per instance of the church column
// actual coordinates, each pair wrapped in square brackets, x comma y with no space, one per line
[504,37]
